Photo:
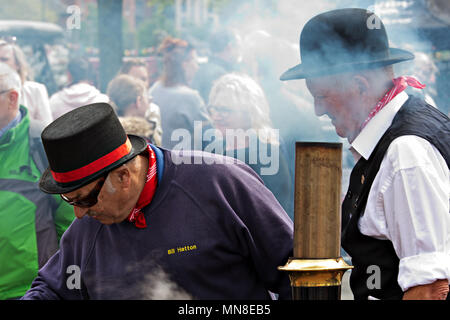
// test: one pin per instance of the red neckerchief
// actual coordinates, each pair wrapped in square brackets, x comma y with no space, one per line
[136,215]
[400,84]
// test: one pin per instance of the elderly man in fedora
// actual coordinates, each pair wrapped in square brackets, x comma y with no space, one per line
[395,216]
[206,228]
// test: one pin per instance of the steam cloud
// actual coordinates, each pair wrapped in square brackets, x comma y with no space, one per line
[158,286]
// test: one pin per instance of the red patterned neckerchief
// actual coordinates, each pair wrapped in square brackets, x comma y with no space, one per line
[400,84]
[136,215]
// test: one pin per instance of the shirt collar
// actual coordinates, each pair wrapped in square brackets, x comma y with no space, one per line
[369,136]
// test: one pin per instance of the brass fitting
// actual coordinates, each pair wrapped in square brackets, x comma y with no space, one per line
[315,272]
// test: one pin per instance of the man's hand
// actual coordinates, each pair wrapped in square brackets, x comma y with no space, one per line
[437,290]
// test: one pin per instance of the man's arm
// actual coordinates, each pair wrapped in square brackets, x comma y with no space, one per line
[437,290]
[416,205]
[269,230]
[60,278]
[40,289]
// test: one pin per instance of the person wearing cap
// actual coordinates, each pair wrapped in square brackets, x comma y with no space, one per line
[395,215]
[31,222]
[207,222]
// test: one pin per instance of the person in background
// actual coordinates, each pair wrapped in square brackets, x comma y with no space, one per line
[79,91]
[237,102]
[225,47]
[140,127]
[129,97]
[395,216]
[137,68]
[31,222]
[34,95]
[180,105]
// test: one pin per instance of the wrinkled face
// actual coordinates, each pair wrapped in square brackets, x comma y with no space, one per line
[139,72]
[340,101]
[111,198]
[7,56]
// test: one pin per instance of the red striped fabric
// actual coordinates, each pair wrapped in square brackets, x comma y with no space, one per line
[93,167]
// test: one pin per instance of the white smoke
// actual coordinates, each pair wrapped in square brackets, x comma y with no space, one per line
[158,286]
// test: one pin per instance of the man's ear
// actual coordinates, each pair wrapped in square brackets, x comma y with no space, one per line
[139,102]
[13,98]
[361,84]
[123,176]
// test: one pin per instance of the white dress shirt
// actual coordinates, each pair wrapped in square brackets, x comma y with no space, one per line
[408,202]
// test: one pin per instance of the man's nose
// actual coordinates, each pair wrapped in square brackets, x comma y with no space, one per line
[80,212]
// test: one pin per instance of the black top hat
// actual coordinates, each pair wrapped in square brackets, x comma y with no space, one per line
[83,145]
[343,40]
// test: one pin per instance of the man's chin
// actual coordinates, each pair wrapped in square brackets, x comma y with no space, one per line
[340,133]
[103,220]
[344,134]
[107,220]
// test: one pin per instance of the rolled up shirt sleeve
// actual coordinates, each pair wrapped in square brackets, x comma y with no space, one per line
[423,269]
[415,198]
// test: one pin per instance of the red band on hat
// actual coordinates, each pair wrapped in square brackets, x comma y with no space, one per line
[93,167]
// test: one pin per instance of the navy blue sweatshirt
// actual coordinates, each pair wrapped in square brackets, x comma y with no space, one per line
[214,231]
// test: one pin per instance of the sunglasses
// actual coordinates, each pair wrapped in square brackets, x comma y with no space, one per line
[91,199]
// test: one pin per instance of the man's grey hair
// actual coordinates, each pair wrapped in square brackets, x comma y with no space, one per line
[9,78]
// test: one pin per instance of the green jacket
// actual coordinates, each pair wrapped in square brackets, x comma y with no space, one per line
[31,222]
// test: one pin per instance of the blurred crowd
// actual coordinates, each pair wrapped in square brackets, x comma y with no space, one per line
[233,85]
[195,102]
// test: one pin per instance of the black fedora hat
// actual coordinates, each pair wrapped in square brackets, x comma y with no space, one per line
[343,40]
[83,145]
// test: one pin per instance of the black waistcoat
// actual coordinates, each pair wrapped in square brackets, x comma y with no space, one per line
[371,256]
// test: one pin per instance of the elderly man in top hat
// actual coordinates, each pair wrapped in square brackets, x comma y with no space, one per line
[395,216]
[205,226]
